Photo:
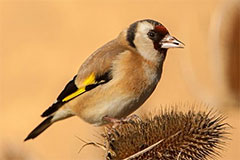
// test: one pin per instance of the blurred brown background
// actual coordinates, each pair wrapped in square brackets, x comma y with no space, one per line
[43,43]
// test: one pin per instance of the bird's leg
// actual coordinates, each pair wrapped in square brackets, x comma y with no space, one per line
[112,120]
[117,122]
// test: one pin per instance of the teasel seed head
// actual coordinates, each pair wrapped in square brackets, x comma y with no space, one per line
[166,136]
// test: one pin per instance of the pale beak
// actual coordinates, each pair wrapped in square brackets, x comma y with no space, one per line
[171,42]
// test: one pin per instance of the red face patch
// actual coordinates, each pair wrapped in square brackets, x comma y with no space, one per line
[161,29]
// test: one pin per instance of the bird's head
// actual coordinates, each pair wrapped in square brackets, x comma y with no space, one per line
[149,37]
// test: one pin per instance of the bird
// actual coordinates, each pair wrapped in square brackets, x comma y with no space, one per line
[116,79]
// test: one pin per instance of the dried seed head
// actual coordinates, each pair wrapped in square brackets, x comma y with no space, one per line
[167,136]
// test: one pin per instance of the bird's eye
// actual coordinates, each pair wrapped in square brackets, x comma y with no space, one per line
[152,35]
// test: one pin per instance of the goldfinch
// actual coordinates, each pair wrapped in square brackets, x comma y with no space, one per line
[116,79]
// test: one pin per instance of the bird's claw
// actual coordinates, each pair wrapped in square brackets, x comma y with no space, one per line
[119,122]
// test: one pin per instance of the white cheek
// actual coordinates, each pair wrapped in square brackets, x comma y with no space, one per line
[145,46]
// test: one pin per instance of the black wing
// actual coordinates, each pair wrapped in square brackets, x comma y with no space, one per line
[71,88]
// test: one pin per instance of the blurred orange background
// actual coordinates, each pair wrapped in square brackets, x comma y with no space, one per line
[43,43]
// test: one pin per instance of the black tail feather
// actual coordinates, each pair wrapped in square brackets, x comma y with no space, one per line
[40,128]
[52,109]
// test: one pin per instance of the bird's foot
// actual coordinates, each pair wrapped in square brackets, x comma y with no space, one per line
[117,122]
[132,117]
[114,121]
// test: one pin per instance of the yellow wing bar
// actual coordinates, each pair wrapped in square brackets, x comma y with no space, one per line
[89,80]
